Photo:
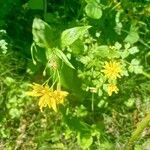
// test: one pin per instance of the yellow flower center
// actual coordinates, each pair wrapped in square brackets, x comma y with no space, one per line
[112,70]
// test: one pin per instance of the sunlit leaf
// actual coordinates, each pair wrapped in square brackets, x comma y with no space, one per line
[133,36]
[63,57]
[103,51]
[71,35]
[93,11]
[85,140]
[133,50]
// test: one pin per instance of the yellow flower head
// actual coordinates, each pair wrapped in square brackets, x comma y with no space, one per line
[112,88]
[48,97]
[112,70]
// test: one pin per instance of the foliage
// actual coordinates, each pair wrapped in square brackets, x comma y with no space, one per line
[95,50]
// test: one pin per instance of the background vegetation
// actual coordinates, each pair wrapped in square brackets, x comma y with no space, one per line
[84,35]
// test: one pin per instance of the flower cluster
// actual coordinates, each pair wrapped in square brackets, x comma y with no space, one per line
[112,70]
[48,96]
[112,88]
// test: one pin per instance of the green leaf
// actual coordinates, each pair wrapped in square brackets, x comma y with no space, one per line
[85,140]
[9,81]
[135,67]
[69,36]
[124,54]
[77,47]
[135,62]
[63,57]
[133,50]
[103,51]
[133,36]
[36,4]
[118,45]
[130,102]
[106,146]
[93,11]
[92,1]
[113,53]
[42,33]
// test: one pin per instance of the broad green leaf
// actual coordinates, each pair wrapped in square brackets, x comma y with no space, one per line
[36,4]
[77,47]
[93,10]
[133,36]
[42,33]
[71,35]
[63,57]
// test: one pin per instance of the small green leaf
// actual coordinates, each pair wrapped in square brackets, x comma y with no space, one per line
[135,62]
[69,36]
[9,81]
[103,51]
[93,10]
[133,50]
[130,102]
[63,57]
[118,45]
[113,53]
[85,140]
[124,54]
[135,67]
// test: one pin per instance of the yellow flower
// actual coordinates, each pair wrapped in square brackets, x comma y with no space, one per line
[112,70]
[112,88]
[48,97]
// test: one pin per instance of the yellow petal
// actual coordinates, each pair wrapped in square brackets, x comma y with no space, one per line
[53,104]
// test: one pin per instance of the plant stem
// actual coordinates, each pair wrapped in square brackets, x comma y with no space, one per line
[146,74]
[135,135]
[44,8]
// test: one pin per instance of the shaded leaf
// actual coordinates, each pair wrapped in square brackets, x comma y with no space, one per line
[36,4]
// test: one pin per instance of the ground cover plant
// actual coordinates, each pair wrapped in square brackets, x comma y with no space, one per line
[75,75]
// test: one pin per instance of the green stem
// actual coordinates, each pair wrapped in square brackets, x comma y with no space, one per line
[92,102]
[146,74]
[135,135]
[45,7]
